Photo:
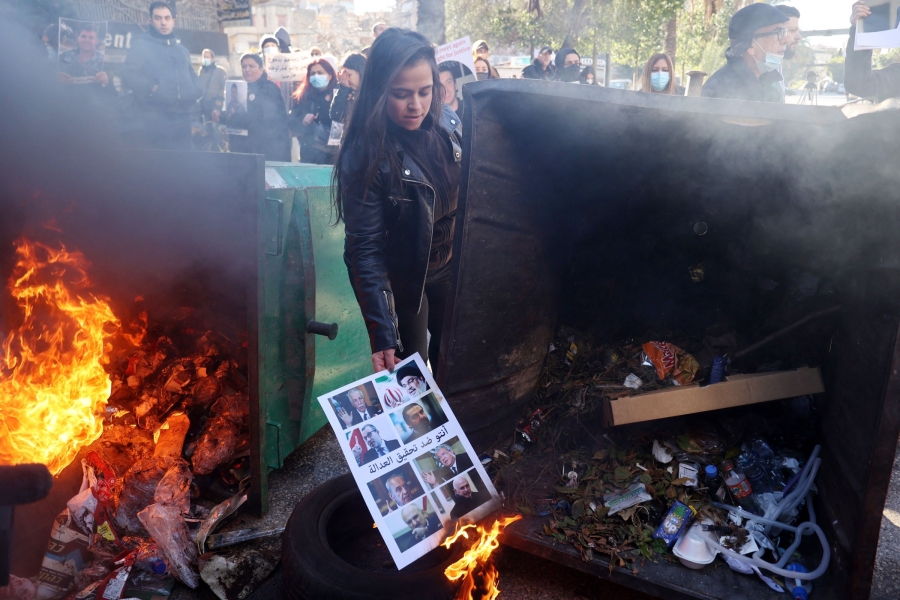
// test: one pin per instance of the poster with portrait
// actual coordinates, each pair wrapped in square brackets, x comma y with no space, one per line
[456,67]
[82,47]
[417,471]
[235,107]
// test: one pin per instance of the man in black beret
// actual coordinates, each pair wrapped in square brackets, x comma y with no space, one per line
[758,42]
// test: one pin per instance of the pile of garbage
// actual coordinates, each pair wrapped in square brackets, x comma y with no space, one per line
[687,489]
[177,425]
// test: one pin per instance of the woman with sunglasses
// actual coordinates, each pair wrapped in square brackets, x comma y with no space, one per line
[397,183]
[757,35]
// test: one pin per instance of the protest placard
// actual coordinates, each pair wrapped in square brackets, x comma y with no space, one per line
[236,107]
[414,466]
[81,50]
[874,40]
[456,59]
[286,67]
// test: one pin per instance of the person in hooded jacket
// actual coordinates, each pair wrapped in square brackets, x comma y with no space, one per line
[568,65]
[350,80]
[311,115]
[163,84]
[279,43]
[266,119]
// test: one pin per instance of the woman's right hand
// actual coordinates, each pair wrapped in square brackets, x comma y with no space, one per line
[860,11]
[384,360]
[308,119]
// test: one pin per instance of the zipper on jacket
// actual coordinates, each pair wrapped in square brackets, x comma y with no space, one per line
[430,233]
[393,316]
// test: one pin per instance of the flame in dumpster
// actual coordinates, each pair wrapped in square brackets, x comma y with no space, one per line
[53,388]
[481,576]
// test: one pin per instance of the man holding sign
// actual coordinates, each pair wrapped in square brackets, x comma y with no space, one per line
[84,63]
[859,78]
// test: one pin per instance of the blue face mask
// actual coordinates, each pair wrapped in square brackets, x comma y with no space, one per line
[318,81]
[772,62]
[659,80]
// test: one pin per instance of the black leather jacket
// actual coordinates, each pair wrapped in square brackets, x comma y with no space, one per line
[388,239]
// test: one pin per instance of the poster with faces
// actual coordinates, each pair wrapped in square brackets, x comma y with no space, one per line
[82,47]
[412,462]
[456,68]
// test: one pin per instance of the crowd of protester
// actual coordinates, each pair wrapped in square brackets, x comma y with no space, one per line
[165,97]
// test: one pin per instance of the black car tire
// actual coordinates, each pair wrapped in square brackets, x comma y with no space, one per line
[333,515]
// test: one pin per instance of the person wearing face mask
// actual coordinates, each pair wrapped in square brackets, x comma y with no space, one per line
[397,187]
[268,44]
[568,65]
[311,115]
[658,76]
[758,35]
[588,76]
[481,50]
[859,78]
[483,69]
[212,82]
[265,118]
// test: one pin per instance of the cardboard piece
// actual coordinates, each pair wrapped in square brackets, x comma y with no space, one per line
[737,390]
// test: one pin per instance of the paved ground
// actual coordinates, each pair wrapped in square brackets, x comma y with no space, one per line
[523,577]
[887,563]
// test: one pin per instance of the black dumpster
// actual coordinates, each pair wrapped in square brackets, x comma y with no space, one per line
[587,207]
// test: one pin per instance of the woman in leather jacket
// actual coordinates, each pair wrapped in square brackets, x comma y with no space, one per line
[397,184]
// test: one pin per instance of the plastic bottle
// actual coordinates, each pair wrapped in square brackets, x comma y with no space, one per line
[148,557]
[800,588]
[717,373]
[714,484]
[753,469]
[739,486]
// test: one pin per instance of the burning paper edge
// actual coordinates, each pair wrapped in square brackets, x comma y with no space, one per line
[478,555]
[403,559]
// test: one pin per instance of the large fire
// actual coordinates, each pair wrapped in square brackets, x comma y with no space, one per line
[480,574]
[53,388]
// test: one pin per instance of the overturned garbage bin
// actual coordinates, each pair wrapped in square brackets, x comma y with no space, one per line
[590,207]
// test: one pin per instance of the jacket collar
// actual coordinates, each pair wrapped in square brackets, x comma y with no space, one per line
[159,38]
[742,70]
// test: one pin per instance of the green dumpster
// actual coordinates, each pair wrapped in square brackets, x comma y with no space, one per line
[303,291]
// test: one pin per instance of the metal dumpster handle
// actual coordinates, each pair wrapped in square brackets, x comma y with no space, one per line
[327,329]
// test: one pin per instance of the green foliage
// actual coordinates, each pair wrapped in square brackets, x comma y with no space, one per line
[836,68]
[880,61]
[701,42]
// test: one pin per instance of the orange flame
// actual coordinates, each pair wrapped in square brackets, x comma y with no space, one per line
[480,575]
[53,388]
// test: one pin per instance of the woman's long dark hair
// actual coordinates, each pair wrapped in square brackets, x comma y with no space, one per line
[366,129]
[307,88]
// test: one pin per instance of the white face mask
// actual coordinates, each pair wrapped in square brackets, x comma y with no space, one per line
[270,50]
[771,63]
[207,61]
